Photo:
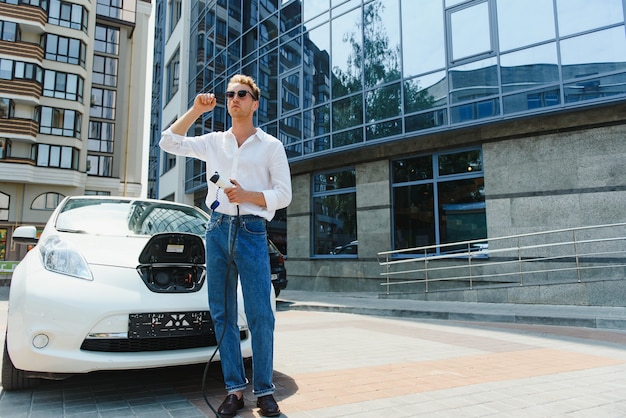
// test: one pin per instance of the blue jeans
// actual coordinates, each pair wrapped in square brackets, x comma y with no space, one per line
[251,262]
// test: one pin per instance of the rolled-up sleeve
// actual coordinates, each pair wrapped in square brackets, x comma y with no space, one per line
[182,145]
[279,196]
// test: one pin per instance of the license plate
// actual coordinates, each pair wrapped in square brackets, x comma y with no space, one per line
[169,324]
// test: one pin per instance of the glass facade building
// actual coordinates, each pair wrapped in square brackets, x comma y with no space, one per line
[414,89]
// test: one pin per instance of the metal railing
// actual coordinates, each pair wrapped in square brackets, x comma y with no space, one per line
[548,257]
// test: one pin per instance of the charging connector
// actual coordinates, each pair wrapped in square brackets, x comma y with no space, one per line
[220,182]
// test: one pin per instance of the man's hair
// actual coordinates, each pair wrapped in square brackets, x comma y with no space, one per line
[248,81]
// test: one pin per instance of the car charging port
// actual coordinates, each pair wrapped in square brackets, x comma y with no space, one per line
[173,263]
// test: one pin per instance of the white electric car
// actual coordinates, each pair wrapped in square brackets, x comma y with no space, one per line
[113,283]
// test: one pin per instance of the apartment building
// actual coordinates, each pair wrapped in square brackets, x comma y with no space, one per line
[72,102]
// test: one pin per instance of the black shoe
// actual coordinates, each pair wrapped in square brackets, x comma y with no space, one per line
[230,406]
[268,406]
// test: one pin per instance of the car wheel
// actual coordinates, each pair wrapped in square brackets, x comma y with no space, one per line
[12,378]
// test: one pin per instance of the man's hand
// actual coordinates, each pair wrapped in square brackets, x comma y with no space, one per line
[238,194]
[204,102]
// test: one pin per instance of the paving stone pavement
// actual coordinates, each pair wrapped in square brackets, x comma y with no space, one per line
[335,358]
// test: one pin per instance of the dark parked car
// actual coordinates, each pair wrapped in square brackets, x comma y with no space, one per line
[277,265]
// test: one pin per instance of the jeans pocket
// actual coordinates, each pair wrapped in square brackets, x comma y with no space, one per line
[212,225]
[256,227]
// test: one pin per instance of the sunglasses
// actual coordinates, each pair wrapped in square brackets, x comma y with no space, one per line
[241,94]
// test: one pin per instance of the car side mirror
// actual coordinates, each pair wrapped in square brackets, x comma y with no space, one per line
[25,235]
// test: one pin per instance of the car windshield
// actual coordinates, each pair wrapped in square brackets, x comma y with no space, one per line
[124,217]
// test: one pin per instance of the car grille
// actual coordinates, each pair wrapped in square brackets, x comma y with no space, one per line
[134,345]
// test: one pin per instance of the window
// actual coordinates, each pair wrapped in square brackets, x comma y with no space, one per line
[10,70]
[61,122]
[102,103]
[99,165]
[7,108]
[62,49]
[117,9]
[97,193]
[47,201]
[334,211]
[438,199]
[10,31]
[4,207]
[470,31]
[107,40]
[63,85]
[173,73]
[67,15]
[174,13]
[101,135]
[6,69]
[57,156]
[5,148]
[169,161]
[105,70]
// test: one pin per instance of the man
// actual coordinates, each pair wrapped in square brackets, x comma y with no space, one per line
[256,165]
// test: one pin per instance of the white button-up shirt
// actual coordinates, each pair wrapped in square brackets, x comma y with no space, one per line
[259,164]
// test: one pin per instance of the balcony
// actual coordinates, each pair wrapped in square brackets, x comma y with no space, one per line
[24,171]
[22,49]
[19,128]
[21,89]
[24,13]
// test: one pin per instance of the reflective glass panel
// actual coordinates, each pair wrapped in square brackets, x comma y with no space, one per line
[385,129]
[462,210]
[383,103]
[426,120]
[291,55]
[313,8]
[317,121]
[337,180]
[470,31]
[528,68]
[515,18]
[346,50]
[474,80]
[268,30]
[594,53]
[290,16]
[425,92]
[423,41]
[335,222]
[460,162]
[317,65]
[348,112]
[354,136]
[317,145]
[290,129]
[579,15]
[595,88]
[412,169]
[413,216]
[475,111]
[341,6]
[290,92]
[381,42]
[530,100]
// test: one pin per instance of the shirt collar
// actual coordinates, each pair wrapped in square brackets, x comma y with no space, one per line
[260,134]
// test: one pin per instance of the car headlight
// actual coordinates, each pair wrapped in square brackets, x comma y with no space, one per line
[60,257]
